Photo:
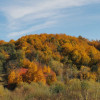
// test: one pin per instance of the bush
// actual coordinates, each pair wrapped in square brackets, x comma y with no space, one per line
[74,85]
[57,67]
[57,87]
[33,90]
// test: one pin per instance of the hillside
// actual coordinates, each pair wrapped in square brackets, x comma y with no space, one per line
[49,58]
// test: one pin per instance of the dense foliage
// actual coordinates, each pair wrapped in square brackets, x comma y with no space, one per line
[50,58]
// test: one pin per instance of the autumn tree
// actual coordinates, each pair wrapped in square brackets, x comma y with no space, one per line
[11,77]
[39,76]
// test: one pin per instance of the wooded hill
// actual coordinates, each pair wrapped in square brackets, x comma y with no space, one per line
[48,58]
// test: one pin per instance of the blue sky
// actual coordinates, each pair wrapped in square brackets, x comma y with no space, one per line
[73,17]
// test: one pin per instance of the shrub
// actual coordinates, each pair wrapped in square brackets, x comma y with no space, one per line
[33,90]
[57,87]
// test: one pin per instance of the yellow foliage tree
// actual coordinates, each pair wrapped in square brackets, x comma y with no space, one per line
[85,58]
[45,69]
[33,67]
[19,79]
[30,75]
[26,63]
[39,76]
[11,77]
[76,56]
[67,48]
[48,69]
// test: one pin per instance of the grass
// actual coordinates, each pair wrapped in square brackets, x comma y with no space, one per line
[73,90]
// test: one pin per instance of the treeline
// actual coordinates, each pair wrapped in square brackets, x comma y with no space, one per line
[49,58]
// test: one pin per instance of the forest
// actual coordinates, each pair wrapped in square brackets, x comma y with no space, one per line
[50,67]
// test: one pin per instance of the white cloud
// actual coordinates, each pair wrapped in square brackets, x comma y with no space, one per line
[29,7]
[32,29]
[22,13]
[21,10]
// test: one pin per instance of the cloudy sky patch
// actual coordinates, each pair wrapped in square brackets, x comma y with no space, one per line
[73,17]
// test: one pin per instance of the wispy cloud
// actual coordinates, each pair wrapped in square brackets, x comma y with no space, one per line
[16,11]
[32,29]
[24,13]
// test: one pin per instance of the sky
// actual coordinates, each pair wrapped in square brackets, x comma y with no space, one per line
[72,17]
